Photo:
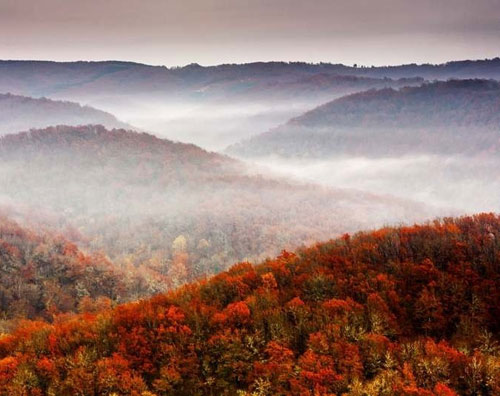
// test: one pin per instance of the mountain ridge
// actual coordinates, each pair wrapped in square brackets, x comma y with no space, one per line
[20,113]
[174,78]
[379,118]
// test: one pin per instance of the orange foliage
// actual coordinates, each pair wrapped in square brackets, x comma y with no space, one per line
[337,318]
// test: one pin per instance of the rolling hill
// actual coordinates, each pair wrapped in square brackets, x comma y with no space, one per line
[172,208]
[452,117]
[398,311]
[208,106]
[21,113]
[40,78]
[216,106]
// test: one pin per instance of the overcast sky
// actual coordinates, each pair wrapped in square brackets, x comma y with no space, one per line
[179,32]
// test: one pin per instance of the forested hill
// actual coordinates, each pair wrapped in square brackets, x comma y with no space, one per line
[135,155]
[21,113]
[173,210]
[398,311]
[454,102]
[484,68]
[456,116]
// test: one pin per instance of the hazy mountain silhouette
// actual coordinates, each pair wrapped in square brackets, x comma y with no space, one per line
[20,113]
[85,79]
[453,117]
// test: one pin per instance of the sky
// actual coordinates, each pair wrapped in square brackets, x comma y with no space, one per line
[179,32]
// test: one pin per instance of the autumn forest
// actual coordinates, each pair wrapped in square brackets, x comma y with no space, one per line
[397,311]
[249,198]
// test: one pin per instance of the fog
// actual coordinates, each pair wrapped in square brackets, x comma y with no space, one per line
[215,108]
[212,126]
[454,184]
[132,196]
[175,212]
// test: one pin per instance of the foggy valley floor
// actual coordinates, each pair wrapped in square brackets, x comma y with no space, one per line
[455,185]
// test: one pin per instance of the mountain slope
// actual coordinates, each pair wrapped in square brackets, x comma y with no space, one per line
[20,113]
[457,116]
[172,207]
[399,311]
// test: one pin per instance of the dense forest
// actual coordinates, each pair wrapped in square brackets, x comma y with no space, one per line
[171,210]
[42,275]
[397,311]
[452,117]
[20,113]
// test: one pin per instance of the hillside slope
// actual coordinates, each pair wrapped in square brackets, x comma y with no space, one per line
[20,113]
[453,117]
[399,311]
[42,274]
[174,207]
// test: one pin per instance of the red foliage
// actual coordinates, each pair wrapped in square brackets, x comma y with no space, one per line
[422,319]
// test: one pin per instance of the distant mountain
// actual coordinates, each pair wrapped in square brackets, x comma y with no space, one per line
[40,78]
[43,274]
[20,113]
[318,87]
[216,106]
[87,79]
[485,69]
[171,207]
[406,311]
[452,117]
[96,82]
[278,79]
[209,106]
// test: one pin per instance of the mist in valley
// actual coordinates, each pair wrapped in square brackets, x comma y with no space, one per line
[454,184]
[436,143]
[212,126]
[213,168]
[172,212]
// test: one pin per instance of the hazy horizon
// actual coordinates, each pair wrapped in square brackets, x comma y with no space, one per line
[104,60]
[386,32]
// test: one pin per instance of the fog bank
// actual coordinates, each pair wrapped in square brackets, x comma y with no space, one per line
[457,184]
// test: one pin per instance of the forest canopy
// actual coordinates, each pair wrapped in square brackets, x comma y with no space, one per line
[397,311]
